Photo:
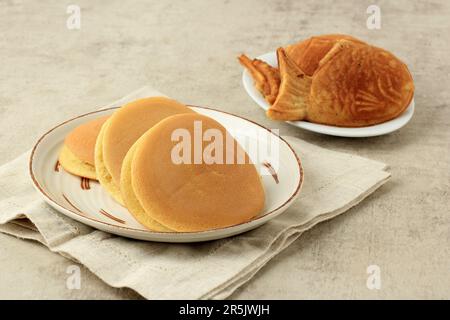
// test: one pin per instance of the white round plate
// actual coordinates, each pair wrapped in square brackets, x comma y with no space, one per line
[85,200]
[370,131]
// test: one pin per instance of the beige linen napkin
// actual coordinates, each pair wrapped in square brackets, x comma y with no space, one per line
[334,182]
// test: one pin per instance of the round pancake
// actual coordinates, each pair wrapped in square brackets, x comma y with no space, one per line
[102,173]
[81,141]
[127,125]
[77,153]
[74,165]
[190,197]
[131,202]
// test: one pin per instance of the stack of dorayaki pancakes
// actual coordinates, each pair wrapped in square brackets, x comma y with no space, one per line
[131,154]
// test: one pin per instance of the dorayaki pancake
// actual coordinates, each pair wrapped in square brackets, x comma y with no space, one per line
[77,153]
[131,202]
[122,130]
[103,175]
[74,165]
[189,197]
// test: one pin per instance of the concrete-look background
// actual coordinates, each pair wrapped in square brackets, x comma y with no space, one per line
[188,49]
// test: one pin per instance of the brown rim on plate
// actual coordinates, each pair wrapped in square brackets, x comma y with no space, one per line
[49,198]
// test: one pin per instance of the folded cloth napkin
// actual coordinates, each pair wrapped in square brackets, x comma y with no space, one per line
[334,182]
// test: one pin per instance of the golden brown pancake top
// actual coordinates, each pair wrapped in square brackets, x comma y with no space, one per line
[193,197]
[128,123]
[81,141]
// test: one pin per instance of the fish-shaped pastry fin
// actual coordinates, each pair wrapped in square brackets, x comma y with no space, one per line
[293,97]
[266,77]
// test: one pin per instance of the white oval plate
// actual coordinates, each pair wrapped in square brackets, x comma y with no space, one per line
[370,131]
[85,200]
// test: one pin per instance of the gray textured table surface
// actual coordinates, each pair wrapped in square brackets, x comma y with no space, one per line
[187,50]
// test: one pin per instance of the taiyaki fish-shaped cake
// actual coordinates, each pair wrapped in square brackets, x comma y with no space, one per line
[307,54]
[342,81]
